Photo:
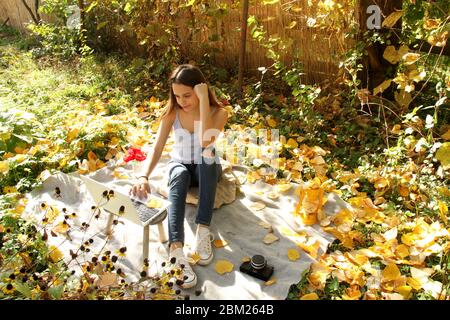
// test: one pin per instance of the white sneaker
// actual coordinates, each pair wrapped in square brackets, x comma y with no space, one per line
[188,276]
[203,248]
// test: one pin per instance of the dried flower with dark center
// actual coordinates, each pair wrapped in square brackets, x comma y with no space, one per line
[179,282]
[73,254]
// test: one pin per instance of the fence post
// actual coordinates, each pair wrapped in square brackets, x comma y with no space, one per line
[242,46]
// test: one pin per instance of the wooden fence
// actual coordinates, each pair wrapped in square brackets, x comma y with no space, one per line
[317,50]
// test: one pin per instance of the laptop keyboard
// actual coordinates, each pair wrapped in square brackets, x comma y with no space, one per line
[145,213]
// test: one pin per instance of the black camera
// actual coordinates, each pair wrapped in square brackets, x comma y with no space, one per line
[257,267]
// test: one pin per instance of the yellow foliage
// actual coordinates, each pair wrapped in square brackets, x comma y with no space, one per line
[391,272]
[310,296]
[381,87]
[55,254]
[392,19]
[311,201]
[443,155]
[293,254]
[223,266]
[4,167]
[219,243]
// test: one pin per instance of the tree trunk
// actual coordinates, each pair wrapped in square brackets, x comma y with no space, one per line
[374,66]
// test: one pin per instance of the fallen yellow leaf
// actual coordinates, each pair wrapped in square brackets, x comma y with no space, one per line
[438,40]
[282,188]
[443,210]
[4,167]
[270,238]
[293,254]
[405,291]
[223,266]
[61,227]
[219,243]
[414,283]
[271,122]
[291,143]
[257,206]
[273,195]
[265,225]
[391,272]
[270,282]
[402,251]
[55,254]
[312,250]
[310,296]
[392,19]
[194,258]
[352,293]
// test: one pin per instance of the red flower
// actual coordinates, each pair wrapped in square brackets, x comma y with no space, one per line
[134,154]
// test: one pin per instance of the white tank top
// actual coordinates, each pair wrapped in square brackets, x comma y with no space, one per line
[187,148]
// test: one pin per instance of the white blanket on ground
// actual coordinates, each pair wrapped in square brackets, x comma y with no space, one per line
[237,223]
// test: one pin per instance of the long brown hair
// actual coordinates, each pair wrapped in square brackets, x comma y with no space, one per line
[188,75]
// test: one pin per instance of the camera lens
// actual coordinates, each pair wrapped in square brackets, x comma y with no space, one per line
[258,262]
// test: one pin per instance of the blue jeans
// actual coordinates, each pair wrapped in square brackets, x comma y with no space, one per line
[181,177]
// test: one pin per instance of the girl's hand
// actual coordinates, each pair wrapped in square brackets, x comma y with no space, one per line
[201,90]
[141,188]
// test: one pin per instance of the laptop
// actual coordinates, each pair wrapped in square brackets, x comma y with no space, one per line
[150,210]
